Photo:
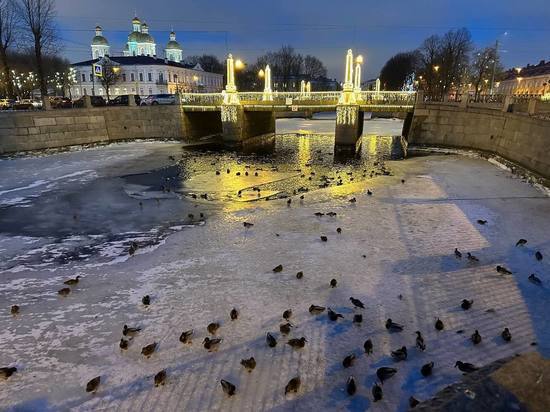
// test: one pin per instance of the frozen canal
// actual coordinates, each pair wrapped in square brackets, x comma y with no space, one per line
[77,213]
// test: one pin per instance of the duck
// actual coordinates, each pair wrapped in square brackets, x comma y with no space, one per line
[471,257]
[14,309]
[466,304]
[160,377]
[338,230]
[228,387]
[503,270]
[426,369]
[64,291]
[278,268]
[324,238]
[400,354]
[439,324]
[148,350]
[466,367]
[129,331]
[506,335]
[213,328]
[458,254]
[146,300]
[357,303]
[211,344]
[271,341]
[123,344]
[420,341]
[185,336]
[333,283]
[299,275]
[357,318]
[476,337]
[348,361]
[377,393]
[285,328]
[393,327]
[535,279]
[314,309]
[287,314]
[93,384]
[293,385]
[351,387]
[521,242]
[368,346]
[249,363]
[333,316]
[234,314]
[538,255]
[6,372]
[297,343]
[481,221]
[384,373]
[248,225]
[73,281]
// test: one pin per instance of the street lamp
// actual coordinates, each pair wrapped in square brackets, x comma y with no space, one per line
[239,64]
[359,59]
[261,73]
[436,68]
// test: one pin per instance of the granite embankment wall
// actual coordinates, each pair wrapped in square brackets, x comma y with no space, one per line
[517,137]
[21,131]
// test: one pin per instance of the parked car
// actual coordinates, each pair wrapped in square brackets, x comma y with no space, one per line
[58,102]
[155,99]
[122,100]
[6,104]
[96,101]
[27,104]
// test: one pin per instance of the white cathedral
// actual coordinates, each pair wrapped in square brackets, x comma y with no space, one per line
[141,70]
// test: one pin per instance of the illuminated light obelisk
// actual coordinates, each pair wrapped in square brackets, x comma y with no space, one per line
[348,97]
[308,89]
[231,96]
[377,89]
[302,88]
[357,81]
[268,93]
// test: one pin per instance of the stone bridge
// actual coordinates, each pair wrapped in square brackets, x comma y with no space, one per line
[239,116]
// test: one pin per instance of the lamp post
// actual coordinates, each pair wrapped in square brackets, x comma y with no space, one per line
[268,94]
[357,78]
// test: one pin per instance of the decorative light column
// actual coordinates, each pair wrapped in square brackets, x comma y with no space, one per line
[377,89]
[308,90]
[268,93]
[302,88]
[230,96]
[348,96]
[357,78]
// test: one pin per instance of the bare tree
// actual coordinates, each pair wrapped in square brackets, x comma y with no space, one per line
[109,76]
[481,69]
[39,16]
[8,24]
[456,46]
[314,68]
[430,54]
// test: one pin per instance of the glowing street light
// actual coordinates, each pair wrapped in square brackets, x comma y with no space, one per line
[436,68]
[239,64]
[517,69]
[359,59]
[261,73]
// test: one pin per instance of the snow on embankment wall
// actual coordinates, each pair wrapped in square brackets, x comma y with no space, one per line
[22,131]
[519,138]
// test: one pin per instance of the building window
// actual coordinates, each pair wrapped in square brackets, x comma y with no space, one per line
[175,78]
[123,77]
[84,91]
[141,77]
[83,77]
[150,91]
[91,77]
[149,77]
[132,78]
[161,77]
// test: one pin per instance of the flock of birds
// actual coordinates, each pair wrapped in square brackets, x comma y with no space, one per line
[212,343]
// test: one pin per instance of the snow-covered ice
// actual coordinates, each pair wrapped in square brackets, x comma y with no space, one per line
[399,241]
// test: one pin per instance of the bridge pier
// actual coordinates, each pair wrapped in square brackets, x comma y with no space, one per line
[239,125]
[349,127]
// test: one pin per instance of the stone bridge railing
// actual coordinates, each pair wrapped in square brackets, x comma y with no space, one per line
[329,98]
